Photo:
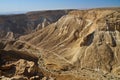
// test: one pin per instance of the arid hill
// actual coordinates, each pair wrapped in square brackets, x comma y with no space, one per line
[21,24]
[82,45]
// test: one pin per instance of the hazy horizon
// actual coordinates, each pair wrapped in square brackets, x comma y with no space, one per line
[23,6]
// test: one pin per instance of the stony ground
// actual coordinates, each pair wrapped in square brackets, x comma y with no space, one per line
[82,45]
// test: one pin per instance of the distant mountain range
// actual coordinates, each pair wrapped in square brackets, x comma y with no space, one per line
[26,22]
[12,12]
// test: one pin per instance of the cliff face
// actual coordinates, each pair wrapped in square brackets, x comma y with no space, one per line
[83,45]
[26,23]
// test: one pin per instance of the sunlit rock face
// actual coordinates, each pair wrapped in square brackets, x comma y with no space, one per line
[82,45]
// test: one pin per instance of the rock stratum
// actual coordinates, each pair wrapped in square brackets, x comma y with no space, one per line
[21,24]
[81,45]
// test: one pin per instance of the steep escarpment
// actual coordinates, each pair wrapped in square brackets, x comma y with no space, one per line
[21,24]
[82,45]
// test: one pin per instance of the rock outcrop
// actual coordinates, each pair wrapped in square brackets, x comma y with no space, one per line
[18,65]
[83,45]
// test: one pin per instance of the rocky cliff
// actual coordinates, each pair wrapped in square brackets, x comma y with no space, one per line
[21,24]
[82,45]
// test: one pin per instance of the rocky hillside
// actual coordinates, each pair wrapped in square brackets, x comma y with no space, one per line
[21,24]
[82,45]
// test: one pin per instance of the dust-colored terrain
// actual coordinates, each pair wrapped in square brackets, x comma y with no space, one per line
[21,24]
[81,45]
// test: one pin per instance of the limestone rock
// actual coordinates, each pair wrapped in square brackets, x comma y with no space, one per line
[82,45]
[86,39]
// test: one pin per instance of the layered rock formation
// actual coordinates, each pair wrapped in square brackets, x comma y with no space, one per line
[21,24]
[83,45]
